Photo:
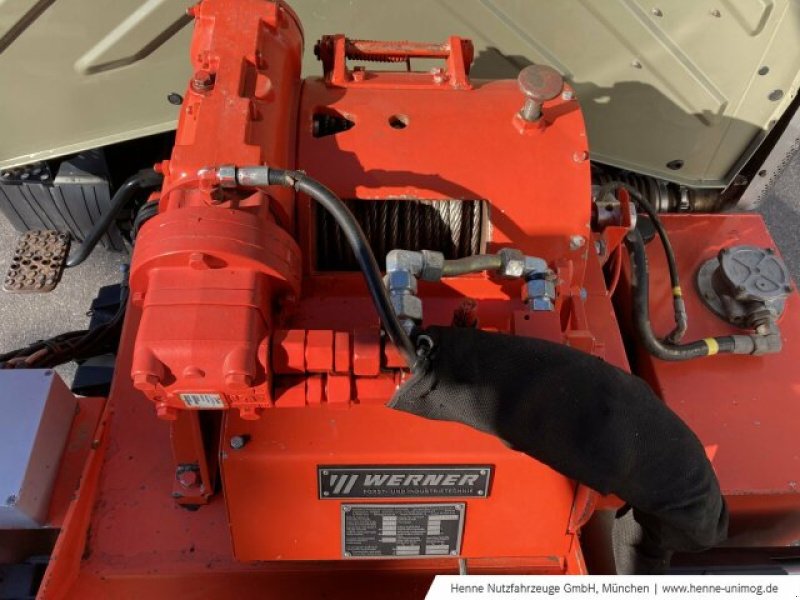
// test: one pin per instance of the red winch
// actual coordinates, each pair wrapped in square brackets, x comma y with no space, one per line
[319,244]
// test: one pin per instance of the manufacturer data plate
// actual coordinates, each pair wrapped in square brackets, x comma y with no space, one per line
[202,400]
[402,530]
[404,481]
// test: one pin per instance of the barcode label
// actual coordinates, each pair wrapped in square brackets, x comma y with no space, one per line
[202,400]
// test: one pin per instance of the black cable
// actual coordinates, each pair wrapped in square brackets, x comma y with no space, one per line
[145,178]
[681,320]
[361,250]
[73,345]
[641,313]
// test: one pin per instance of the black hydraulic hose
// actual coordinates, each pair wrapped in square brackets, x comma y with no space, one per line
[145,213]
[681,320]
[145,178]
[471,264]
[641,314]
[361,250]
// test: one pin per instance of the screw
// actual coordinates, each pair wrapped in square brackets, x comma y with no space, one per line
[359,74]
[580,156]
[636,64]
[656,12]
[439,75]
[202,81]
[716,13]
[175,98]
[576,242]
[189,478]
[239,441]
[539,83]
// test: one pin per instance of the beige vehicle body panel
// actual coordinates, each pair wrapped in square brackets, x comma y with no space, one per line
[697,81]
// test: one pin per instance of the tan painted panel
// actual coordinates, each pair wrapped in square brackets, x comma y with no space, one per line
[81,73]
[659,81]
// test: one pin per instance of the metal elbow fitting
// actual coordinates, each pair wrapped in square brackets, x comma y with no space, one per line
[425,264]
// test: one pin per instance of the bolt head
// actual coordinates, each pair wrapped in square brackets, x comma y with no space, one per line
[540,82]
[189,478]
[237,442]
[576,242]
[202,81]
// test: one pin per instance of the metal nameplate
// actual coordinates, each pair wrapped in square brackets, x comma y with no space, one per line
[404,481]
[402,530]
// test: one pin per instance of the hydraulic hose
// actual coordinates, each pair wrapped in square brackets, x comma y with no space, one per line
[732,344]
[472,264]
[146,212]
[145,178]
[681,320]
[361,250]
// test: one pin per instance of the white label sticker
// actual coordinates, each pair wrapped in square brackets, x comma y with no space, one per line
[202,400]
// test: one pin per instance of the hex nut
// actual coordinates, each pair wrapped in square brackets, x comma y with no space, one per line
[226,175]
[432,265]
[539,287]
[400,281]
[407,306]
[539,294]
[541,304]
[512,263]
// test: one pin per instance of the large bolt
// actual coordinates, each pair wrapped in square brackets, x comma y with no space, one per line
[203,81]
[539,83]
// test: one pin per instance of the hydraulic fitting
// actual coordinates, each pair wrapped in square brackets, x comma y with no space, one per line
[402,287]
[512,263]
[539,294]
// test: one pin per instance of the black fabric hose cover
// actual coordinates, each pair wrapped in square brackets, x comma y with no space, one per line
[583,417]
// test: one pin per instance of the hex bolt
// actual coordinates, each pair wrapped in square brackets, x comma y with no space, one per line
[576,242]
[202,81]
[539,83]
[238,442]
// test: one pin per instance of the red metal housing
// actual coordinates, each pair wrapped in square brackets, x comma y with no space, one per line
[235,333]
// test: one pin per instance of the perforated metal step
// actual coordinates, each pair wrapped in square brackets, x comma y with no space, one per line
[38,261]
